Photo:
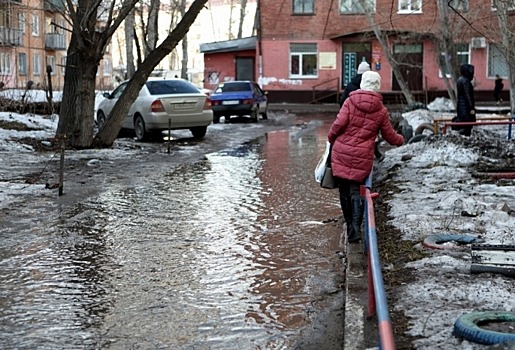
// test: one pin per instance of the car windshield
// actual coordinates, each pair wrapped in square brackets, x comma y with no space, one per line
[166,87]
[228,87]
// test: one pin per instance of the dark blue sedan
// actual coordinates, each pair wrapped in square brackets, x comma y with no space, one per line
[239,98]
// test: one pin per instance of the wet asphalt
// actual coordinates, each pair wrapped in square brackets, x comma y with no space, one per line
[224,243]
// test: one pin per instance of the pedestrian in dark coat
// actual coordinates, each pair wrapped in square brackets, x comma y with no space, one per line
[498,88]
[352,136]
[353,85]
[466,107]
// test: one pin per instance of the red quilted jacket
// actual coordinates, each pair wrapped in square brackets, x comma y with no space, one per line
[354,132]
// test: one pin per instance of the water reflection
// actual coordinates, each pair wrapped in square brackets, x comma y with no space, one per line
[227,253]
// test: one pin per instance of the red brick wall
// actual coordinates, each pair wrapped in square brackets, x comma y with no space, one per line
[220,67]
[326,27]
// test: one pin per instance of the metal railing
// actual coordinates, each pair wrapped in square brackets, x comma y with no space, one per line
[325,90]
[10,36]
[55,41]
[376,292]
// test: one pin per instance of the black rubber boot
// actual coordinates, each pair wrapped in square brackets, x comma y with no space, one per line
[354,235]
[345,203]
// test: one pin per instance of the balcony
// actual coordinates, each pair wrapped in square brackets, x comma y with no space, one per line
[54,5]
[11,37]
[55,41]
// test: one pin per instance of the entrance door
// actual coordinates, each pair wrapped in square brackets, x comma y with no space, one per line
[245,68]
[410,61]
[353,54]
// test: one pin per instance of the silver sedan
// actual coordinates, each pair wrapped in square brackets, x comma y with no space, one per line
[160,105]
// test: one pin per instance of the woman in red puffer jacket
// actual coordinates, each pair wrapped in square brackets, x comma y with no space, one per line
[352,137]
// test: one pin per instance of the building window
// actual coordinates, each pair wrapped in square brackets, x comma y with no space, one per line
[22,63]
[21,21]
[303,60]
[35,25]
[459,5]
[63,65]
[462,55]
[107,68]
[5,63]
[497,63]
[36,64]
[355,7]
[50,61]
[301,7]
[410,6]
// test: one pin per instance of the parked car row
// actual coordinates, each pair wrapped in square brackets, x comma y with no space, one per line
[178,104]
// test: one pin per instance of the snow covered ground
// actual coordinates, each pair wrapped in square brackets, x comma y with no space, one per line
[438,193]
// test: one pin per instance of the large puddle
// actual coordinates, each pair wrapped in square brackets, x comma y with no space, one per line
[233,252]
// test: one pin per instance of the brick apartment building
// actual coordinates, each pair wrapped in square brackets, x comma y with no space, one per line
[306,47]
[33,36]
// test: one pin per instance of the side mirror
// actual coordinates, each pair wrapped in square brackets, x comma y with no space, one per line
[106,94]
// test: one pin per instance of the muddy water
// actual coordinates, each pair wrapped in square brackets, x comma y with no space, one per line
[237,251]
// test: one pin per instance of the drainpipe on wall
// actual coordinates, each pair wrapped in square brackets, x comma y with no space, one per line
[257,24]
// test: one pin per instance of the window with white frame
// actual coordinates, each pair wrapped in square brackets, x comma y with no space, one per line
[356,6]
[63,65]
[107,68]
[36,64]
[462,55]
[301,7]
[303,60]
[5,63]
[21,22]
[50,61]
[459,5]
[22,63]
[497,63]
[410,6]
[35,25]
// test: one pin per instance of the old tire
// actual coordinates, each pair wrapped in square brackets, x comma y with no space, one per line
[468,326]
[424,126]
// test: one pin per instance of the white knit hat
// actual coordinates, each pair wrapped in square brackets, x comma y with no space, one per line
[370,81]
[363,67]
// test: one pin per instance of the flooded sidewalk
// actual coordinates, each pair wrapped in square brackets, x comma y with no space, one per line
[239,249]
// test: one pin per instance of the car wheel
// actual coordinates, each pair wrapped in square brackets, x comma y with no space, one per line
[101,119]
[265,113]
[199,131]
[254,115]
[216,118]
[139,128]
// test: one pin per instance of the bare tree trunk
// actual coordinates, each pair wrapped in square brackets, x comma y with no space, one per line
[76,122]
[152,27]
[448,62]
[230,21]
[243,7]
[184,61]
[383,41]
[508,37]
[130,23]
